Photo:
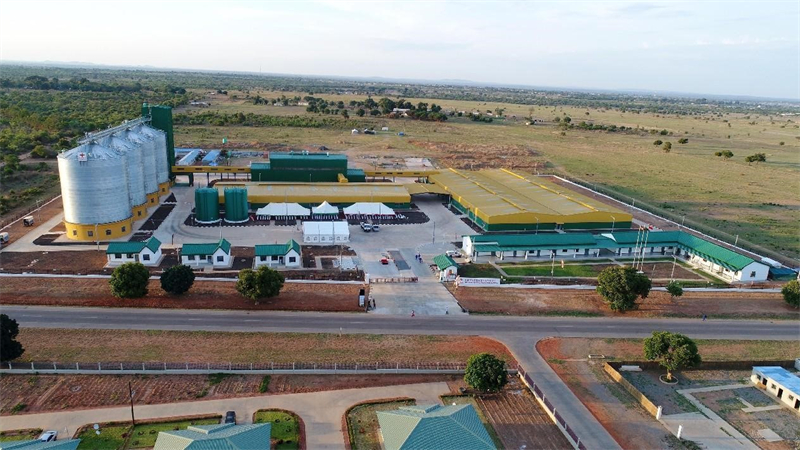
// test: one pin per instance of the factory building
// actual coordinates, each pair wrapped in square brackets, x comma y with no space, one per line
[304,166]
[499,199]
[110,180]
[312,194]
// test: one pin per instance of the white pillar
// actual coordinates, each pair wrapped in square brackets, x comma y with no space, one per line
[680,431]
[658,413]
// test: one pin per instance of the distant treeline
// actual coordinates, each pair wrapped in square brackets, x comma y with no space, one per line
[261,120]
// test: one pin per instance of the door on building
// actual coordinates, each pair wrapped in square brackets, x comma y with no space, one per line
[780,392]
[797,404]
[764,381]
[559,227]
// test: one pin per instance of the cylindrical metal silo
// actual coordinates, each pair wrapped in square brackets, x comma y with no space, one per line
[236,208]
[162,166]
[206,205]
[94,187]
[133,154]
[147,146]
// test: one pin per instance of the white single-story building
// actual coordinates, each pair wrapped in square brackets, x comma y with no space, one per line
[217,255]
[779,382]
[286,255]
[326,232]
[147,252]
[446,267]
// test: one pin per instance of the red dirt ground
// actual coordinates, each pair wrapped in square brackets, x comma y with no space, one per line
[693,304]
[203,295]
[47,212]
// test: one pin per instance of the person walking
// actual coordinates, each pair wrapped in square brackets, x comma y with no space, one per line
[412,313]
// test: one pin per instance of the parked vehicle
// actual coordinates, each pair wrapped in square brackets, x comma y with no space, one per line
[230,417]
[4,237]
[453,254]
[48,436]
[27,221]
[366,226]
[376,227]
[385,261]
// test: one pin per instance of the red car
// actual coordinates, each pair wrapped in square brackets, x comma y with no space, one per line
[384,261]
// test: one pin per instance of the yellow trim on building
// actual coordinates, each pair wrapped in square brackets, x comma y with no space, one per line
[163,188]
[152,199]
[98,232]
[139,212]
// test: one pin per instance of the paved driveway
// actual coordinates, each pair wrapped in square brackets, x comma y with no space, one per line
[321,411]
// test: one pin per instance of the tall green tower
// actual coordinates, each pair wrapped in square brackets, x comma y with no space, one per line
[161,118]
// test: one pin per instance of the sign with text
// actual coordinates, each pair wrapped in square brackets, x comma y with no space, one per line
[464,281]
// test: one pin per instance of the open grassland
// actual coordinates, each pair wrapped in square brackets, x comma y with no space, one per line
[758,202]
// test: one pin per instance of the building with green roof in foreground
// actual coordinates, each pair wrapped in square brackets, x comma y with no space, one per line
[287,255]
[147,252]
[217,437]
[215,254]
[448,269]
[35,444]
[433,427]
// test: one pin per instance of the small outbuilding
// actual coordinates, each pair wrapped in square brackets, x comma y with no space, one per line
[325,211]
[447,269]
[147,253]
[326,232]
[779,382]
[455,427]
[286,255]
[217,255]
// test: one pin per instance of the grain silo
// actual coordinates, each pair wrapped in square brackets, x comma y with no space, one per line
[94,191]
[206,205]
[147,146]
[236,208]
[133,153]
[162,165]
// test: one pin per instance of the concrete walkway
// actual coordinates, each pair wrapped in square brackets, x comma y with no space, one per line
[321,411]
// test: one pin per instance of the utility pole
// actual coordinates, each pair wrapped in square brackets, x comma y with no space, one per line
[131,392]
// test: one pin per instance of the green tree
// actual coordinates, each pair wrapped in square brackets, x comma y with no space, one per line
[658,142]
[667,147]
[756,158]
[177,279]
[360,112]
[129,280]
[726,154]
[673,351]
[485,372]
[10,348]
[675,289]
[258,284]
[683,141]
[791,293]
[345,114]
[621,286]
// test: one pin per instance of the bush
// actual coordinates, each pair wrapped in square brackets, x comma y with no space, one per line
[486,373]
[264,386]
[621,286]
[177,279]
[657,142]
[258,284]
[667,147]
[129,280]
[791,293]
[683,141]
[675,289]
[10,348]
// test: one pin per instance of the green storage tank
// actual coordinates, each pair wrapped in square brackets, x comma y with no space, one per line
[236,207]
[206,205]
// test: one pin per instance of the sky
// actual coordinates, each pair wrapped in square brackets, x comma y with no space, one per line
[723,48]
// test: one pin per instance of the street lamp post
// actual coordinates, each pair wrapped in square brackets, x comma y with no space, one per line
[131,392]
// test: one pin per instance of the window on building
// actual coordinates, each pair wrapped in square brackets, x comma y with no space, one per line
[753,274]
[220,258]
[564,251]
[123,229]
[90,233]
[263,258]
[791,397]
[274,257]
[74,232]
[190,257]
[772,385]
[292,259]
[130,255]
[145,257]
[139,213]
[118,255]
[108,232]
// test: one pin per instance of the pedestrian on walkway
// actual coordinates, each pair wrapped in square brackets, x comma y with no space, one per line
[412,313]
[704,317]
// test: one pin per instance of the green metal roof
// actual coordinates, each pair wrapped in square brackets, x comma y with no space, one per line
[35,444]
[455,427]
[277,249]
[216,437]
[444,261]
[133,247]
[713,252]
[205,249]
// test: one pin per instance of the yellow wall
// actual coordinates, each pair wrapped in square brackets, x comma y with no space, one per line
[100,232]
[139,212]
[163,188]
[152,199]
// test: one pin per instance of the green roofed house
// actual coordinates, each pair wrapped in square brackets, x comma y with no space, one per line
[216,254]
[217,437]
[433,427]
[35,444]
[446,267]
[147,252]
[287,255]
[715,259]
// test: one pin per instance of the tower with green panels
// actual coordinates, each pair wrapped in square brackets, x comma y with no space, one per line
[161,118]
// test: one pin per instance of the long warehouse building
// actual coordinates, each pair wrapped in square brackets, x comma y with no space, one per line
[502,200]
[312,194]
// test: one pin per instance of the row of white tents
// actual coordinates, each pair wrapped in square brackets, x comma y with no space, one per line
[324,211]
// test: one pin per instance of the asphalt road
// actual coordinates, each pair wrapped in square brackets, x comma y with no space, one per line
[520,335]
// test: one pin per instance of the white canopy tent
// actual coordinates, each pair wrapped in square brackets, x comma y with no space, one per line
[325,209]
[282,210]
[368,209]
[326,232]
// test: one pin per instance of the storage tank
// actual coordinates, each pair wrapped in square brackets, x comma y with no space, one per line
[94,185]
[236,208]
[147,146]
[206,205]
[162,166]
[133,155]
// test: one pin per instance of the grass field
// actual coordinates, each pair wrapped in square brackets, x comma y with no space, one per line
[285,427]
[478,271]
[752,201]
[115,437]
[20,435]
[570,270]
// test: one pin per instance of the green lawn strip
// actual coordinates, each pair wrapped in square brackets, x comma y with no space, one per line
[111,437]
[468,399]
[145,435]
[118,435]
[285,427]
[20,435]
[478,271]
[589,271]
[362,422]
